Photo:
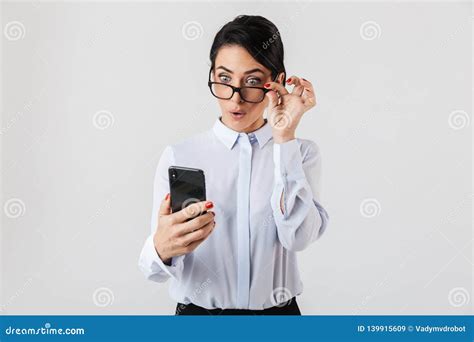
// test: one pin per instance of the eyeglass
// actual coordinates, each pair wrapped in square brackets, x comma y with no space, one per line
[225,91]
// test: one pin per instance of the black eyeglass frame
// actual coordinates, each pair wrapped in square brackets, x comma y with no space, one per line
[236,89]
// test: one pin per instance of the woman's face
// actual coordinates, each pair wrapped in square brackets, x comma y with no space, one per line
[235,66]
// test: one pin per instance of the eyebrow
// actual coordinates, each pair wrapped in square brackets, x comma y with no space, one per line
[245,73]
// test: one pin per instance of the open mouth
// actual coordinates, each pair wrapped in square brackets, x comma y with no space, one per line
[238,114]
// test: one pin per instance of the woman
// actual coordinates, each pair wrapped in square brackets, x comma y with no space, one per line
[261,181]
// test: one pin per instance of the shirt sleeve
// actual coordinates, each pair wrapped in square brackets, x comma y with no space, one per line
[297,177]
[149,262]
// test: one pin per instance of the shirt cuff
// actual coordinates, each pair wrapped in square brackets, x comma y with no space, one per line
[288,161]
[154,259]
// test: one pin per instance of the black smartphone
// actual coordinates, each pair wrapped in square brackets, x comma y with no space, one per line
[187,186]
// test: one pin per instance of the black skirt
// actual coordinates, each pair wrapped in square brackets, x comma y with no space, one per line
[288,308]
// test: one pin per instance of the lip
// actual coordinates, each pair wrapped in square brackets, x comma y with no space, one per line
[238,114]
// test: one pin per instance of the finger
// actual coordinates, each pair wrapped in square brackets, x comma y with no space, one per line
[191,211]
[308,87]
[294,80]
[309,95]
[198,234]
[309,101]
[195,224]
[278,87]
[165,207]
[298,90]
[307,84]
[272,99]
[298,86]
[193,245]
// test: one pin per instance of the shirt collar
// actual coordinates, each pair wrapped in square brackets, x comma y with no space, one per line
[228,136]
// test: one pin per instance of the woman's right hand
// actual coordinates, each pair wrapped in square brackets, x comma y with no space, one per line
[175,236]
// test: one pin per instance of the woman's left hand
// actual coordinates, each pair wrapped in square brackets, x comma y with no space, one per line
[285,112]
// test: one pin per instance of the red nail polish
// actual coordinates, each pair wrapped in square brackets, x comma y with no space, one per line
[209,205]
[266,85]
[289,80]
[167,196]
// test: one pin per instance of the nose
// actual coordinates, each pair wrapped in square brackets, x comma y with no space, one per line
[236,98]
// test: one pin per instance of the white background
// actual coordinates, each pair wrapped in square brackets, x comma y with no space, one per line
[393,121]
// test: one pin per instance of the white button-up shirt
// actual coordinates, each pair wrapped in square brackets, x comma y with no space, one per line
[249,260]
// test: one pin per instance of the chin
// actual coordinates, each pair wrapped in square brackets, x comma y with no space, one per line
[239,122]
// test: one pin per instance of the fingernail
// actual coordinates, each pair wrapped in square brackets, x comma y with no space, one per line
[213,213]
[209,205]
[266,85]
[167,196]
[288,80]
[304,79]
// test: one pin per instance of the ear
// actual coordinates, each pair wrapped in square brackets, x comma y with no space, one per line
[281,78]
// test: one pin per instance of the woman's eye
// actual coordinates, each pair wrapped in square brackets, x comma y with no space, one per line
[253,81]
[224,78]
